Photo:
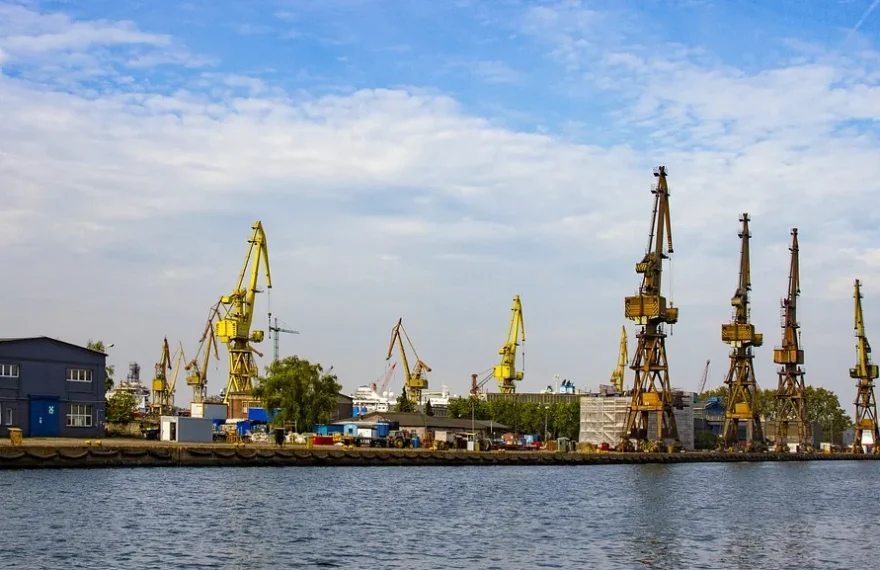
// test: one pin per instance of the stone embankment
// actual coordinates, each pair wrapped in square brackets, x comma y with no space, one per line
[83,456]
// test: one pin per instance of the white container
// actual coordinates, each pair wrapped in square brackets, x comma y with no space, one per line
[209,411]
[186,430]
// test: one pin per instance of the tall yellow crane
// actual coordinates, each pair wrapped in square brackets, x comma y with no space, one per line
[415,380]
[234,329]
[739,333]
[198,375]
[505,372]
[622,360]
[651,389]
[162,397]
[865,372]
[791,398]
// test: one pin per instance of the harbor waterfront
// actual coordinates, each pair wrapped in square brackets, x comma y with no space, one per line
[82,455]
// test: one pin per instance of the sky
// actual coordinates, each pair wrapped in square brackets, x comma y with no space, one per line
[430,160]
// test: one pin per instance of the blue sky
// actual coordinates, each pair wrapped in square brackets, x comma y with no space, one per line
[432,159]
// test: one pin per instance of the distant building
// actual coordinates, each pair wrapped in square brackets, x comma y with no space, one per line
[603,418]
[343,408]
[51,388]
[132,385]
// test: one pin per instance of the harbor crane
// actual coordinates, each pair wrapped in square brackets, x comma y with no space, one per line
[505,372]
[617,376]
[234,329]
[162,397]
[865,372]
[651,392]
[791,400]
[415,381]
[277,330]
[704,379]
[739,333]
[198,373]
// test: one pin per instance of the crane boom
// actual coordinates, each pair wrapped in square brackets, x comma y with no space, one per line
[617,376]
[159,398]
[505,372]
[234,329]
[198,375]
[704,378]
[415,379]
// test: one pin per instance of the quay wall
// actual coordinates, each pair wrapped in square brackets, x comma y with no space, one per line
[45,457]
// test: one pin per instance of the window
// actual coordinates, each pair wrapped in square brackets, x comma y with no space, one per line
[80,415]
[79,375]
[9,416]
[9,371]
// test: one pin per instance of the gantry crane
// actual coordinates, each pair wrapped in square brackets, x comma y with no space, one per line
[617,377]
[704,378]
[791,401]
[162,397]
[198,374]
[739,333]
[651,389]
[865,372]
[505,372]
[415,380]
[277,330]
[234,329]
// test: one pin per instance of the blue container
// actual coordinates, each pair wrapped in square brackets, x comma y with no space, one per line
[243,427]
[355,411]
[416,443]
[351,429]
[383,429]
[321,429]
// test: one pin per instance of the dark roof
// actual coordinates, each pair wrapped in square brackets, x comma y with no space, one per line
[55,340]
[408,419]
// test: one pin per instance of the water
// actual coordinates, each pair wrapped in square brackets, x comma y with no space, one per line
[707,516]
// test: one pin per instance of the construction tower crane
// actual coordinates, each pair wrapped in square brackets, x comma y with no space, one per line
[234,329]
[739,333]
[162,398]
[651,388]
[791,398]
[865,372]
[198,375]
[277,330]
[415,380]
[704,379]
[505,372]
[617,376]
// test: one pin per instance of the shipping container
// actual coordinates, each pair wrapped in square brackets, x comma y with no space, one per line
[210,411]
[186,430]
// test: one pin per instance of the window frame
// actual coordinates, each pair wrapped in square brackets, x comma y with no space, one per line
[80,415]
[9,417]
[83,375]
[14,370]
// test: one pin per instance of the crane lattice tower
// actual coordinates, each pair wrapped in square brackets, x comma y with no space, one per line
[740,334]
[865,372]
[791,400]
[651,392]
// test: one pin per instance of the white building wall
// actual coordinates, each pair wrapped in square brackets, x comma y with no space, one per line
[603,419]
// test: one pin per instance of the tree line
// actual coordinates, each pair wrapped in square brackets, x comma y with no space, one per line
[559,419]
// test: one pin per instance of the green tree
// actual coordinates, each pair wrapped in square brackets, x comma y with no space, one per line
[98,345]
[823,407]
[121,407]
[705,440]
[302,392]
[429,410]
[404,404]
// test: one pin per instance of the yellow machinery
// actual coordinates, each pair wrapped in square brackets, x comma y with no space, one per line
[234,329]
[791,398]
[415,379]
[506,372]
[739,333]
[622,361]
[162,397]
[865,372]
[651,389]
[198,375]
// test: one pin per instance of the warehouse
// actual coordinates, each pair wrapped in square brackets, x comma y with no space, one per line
[51,388]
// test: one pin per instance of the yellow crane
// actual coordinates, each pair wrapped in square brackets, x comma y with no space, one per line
[234,329]
[865,372]
[415,380]
[162,398]
[622,360]
[198,375]
[506,372]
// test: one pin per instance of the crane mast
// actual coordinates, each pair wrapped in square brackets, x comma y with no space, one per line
[617,377]
[791,402]
[739,333]
[277,330]
[415,380]
[159,400]
[651,392]
[234,329]
[505,372]
[865,372]
[198,375]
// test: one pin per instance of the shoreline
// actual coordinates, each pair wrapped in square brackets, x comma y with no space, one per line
[219,455]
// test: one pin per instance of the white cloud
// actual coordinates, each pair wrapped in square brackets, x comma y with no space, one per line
[129,210]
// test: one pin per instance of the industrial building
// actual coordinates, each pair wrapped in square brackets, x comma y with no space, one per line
[51,388]
[603,419]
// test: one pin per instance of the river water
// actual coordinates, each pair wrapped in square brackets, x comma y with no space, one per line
[708,516]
